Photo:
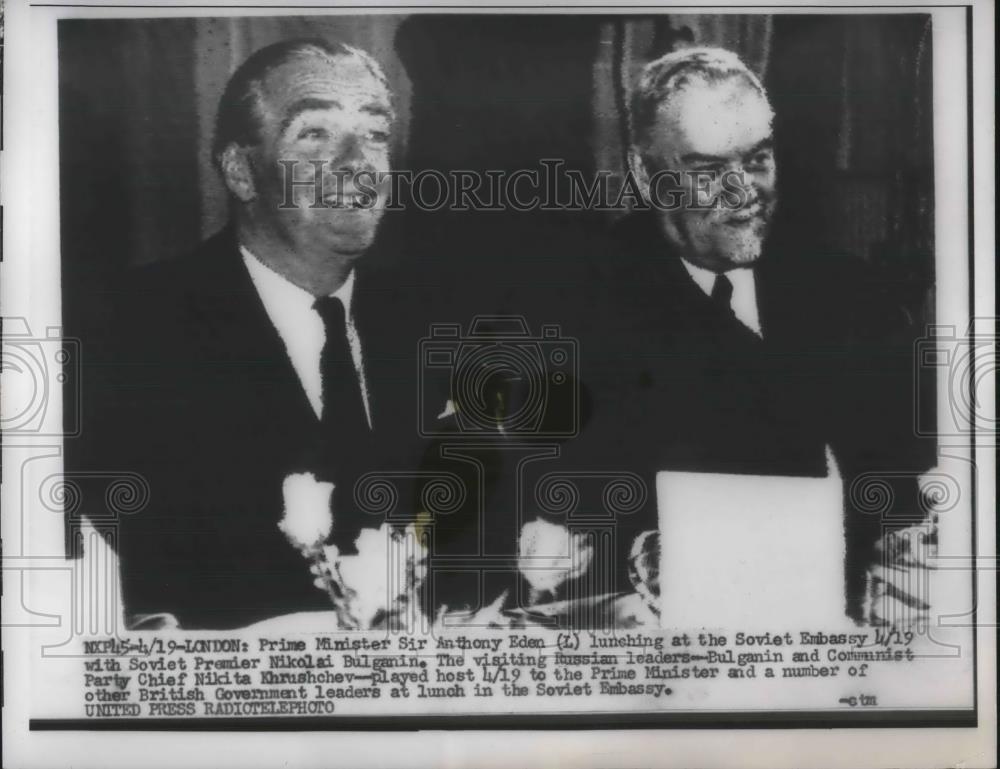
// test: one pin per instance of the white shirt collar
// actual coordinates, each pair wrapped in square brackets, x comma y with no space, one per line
[290,308]
[744,301]
[276,285]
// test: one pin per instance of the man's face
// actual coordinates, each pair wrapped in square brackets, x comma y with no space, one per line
[718,131]
[332,120]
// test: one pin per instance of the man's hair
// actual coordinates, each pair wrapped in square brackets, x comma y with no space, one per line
[238,117]
[666,76]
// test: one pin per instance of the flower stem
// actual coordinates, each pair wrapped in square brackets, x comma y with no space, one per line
[336,591]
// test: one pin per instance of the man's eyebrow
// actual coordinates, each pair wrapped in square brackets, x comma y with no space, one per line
[305,105]
[763,144]
[697,157]
[378,109]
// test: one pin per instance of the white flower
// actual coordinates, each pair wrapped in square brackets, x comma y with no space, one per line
[307,519]
[382,553]
[549,555]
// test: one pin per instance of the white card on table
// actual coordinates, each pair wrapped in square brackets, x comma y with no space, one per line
[750,550]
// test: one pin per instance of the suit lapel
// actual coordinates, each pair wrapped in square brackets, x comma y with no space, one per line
[384,320]
[238,333]
[233,331]
[684,312]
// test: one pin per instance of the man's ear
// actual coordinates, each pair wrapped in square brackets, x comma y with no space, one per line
[640,172]
[637,167]
[235,165]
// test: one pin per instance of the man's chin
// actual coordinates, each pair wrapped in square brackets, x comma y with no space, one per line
[742,258]
[741,251]
[350,244]
[349,240]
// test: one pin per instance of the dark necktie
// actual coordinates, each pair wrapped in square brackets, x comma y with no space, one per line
[722,294]
[344,433]
[343,416]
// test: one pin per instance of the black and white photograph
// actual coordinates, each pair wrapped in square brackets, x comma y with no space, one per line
[628,371]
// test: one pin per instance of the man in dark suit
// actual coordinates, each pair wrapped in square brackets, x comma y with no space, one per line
[730,347]
[268,351]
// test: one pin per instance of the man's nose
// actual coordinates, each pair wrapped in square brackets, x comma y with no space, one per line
[349,154]
[744,184]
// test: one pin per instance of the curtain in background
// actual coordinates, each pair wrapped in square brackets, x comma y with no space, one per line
[853,105]
[128,175]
